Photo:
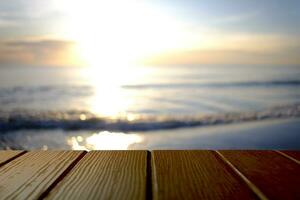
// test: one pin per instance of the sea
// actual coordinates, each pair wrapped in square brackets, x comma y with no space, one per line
[112,107]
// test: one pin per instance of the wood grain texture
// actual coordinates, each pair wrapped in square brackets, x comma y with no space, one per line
[105,175]
[294,154]
[28,176]
[276,176]
[7,155]
[195,175]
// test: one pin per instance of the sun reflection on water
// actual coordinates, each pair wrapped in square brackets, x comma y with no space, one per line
[109,98]
[104,141]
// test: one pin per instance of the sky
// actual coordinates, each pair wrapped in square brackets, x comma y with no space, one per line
[154,32]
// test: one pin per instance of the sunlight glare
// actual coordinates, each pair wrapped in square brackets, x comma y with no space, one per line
[104,141]
[110,99]
[117,32]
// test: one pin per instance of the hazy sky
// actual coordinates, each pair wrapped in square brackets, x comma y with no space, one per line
[94,32]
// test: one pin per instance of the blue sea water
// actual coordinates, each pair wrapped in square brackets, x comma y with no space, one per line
[143,99]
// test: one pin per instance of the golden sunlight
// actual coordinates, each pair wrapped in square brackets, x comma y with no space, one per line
[114,33]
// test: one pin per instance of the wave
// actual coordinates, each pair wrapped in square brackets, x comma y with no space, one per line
[217,84]
[82,120]
[89,89]
[59,89]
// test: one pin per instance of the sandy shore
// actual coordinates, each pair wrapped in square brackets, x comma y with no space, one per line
[267,134]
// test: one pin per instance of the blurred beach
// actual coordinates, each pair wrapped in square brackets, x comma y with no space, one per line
[149,74]
[178,107]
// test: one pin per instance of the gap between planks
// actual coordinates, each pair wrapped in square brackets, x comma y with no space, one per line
[288,157]
[242,177]
[62,176]
[9,159]
[149,195]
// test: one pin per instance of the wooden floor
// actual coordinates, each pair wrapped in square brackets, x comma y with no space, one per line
[148,175]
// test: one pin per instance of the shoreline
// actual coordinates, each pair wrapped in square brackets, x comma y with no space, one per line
[266,134]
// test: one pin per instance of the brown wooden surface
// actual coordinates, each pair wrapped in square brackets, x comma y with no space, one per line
[105,175]
[294,154]
[29,175]
[276,176]
[168,174]
[195,175]
[7,155]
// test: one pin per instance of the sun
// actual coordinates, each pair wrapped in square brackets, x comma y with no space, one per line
[116,33]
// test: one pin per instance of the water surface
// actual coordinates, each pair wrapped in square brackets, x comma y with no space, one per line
[141,99]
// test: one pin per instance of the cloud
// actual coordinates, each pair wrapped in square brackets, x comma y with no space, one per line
[236,18]
[221,47]
[23,18]
[225,49]
[225,57]
[37,52]
[235,49]
[39,45]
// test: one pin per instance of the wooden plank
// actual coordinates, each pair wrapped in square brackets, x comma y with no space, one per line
[28,176]
[276,176]
[8,155]
[293,154]
[195,175]
[105,175]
